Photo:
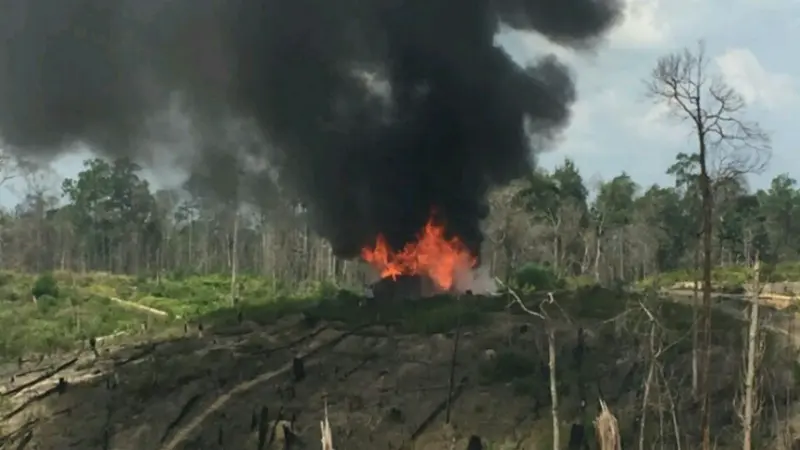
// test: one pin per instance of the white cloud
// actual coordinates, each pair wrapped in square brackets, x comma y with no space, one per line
[773,5]
[527,47]
[592,115]
[742,70]
[655,123]
[577,136]
[643,25]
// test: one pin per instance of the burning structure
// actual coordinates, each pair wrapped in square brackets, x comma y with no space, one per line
[431,263]
[369,113]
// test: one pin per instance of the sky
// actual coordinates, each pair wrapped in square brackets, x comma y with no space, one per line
[615,127]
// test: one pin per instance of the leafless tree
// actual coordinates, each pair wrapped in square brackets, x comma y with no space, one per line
[752,360]
[8,166]
[508,230]
[728,146]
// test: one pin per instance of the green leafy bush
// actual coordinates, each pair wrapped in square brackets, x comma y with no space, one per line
[47,304]
[45,284]
[536,276]
[580,281]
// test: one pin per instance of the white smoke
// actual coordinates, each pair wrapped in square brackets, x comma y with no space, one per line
[478,280]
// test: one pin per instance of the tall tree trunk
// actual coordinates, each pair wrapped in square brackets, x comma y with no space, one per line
[695,323]
[708,208]
[551,351]
[234,255]
[597,254]
[750,376]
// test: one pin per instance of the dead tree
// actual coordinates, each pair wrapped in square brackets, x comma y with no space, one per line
[728,147]
[8,166]
[551,351]
[751,364]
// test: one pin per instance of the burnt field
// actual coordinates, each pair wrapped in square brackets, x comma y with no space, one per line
[386,371]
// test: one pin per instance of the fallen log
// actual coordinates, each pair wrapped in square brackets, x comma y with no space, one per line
[184,432]
[18,434]
[40,378]
[35,399]
[184,412]
[439,409]
[139,306]
[136,356]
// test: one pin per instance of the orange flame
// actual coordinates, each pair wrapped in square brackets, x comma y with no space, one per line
[432,255]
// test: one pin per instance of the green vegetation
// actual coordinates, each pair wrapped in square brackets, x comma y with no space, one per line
[536,276]
[58,311]
[55,312]
[730,279]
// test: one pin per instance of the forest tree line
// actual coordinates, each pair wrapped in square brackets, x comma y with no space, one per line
[107,218]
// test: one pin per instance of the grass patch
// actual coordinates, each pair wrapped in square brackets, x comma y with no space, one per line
[55,312]
[729,279]
[59,324]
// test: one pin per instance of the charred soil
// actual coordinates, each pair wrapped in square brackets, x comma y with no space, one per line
[385,376]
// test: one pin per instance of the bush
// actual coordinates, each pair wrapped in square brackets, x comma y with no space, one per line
[536,276]
[47,303]
[45,284]
[578,282]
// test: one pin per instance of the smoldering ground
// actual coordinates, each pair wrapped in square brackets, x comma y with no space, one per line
[369,111]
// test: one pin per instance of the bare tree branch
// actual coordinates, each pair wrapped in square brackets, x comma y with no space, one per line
[518,300]
[682,83]
[8,167]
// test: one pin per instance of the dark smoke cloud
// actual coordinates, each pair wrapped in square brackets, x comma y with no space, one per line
[372,111]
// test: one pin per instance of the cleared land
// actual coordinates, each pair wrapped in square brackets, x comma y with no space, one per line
[384,369]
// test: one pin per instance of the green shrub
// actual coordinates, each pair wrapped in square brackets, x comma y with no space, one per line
[580,281]
[9,294]
[536,276]
[45,284]
[6,278]
[47,303]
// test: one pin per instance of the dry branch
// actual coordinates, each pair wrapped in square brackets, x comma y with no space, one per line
[608,437]
[325,430]
[519,301]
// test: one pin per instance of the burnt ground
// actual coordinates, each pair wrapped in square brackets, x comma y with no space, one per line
[386,387]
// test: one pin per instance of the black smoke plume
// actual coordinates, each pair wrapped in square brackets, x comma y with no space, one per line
[370,111]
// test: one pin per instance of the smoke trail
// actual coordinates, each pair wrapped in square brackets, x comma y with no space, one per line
[372,111]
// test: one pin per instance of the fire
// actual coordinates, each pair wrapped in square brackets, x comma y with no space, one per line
[432,255]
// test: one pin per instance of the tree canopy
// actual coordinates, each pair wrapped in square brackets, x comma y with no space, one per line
[108,218]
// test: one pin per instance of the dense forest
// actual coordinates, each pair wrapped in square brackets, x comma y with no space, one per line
[108,218]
